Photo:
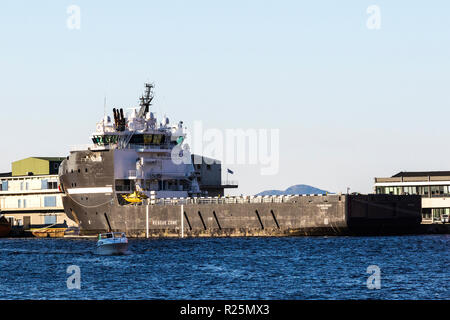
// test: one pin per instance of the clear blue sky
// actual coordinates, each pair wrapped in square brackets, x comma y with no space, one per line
[351,103]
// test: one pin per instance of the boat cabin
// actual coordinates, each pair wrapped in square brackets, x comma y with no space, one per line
[111,235]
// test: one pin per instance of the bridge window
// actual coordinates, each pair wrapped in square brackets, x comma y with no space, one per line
[124,185]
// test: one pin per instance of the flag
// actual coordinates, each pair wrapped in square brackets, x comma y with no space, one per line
[229,171]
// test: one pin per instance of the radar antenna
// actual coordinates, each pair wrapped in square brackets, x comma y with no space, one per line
[146,100]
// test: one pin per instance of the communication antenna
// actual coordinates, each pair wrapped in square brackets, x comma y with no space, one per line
[104,112]
[146,99]
[104,106]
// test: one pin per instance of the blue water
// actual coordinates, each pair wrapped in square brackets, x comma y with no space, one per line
[412,267]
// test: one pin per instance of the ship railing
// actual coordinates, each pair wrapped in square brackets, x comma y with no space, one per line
[223,200]
[163,147]
[229,182]
[134,174]
[131,173]
[157,175]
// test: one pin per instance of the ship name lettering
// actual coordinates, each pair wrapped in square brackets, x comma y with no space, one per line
[164,223]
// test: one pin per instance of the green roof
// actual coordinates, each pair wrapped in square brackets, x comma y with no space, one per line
[35,166]
[50,158]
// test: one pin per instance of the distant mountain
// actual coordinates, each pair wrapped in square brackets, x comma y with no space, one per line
[297,189]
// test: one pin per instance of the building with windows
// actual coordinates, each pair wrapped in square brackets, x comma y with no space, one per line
[433,186]
[29,194]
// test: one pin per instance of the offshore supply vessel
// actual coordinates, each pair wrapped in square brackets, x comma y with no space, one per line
[139,177]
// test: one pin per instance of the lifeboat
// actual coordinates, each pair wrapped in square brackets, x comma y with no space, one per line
[135,197]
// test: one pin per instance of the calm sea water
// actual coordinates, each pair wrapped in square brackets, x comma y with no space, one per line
[412,267]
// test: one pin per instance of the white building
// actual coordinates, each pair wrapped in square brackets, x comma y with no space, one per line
[433,186]
[32,199]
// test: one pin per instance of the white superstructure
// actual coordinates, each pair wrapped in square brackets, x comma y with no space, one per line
[151,155]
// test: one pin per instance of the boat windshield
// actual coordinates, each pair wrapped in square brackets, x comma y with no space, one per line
[119,235]
[105,235]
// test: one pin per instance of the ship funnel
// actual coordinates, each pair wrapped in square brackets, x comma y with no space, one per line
[119,119]
[115,117]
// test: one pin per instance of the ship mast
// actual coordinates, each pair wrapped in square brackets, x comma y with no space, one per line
[146,100]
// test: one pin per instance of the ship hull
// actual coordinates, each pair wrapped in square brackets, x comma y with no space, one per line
[112,249]
[299,216]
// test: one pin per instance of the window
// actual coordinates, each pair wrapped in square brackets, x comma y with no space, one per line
[438,212]
[24,203]
[19,203]
[123,185]
[52,185]
[410,190]
[50,201]
[157,139]
[4,186]
[423,191]
[388,190]
[49,219]
[44,184]
[148,138]
[437,191]
[381,190]
[426,213]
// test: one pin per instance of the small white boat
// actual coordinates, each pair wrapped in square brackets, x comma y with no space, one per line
[112,243]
